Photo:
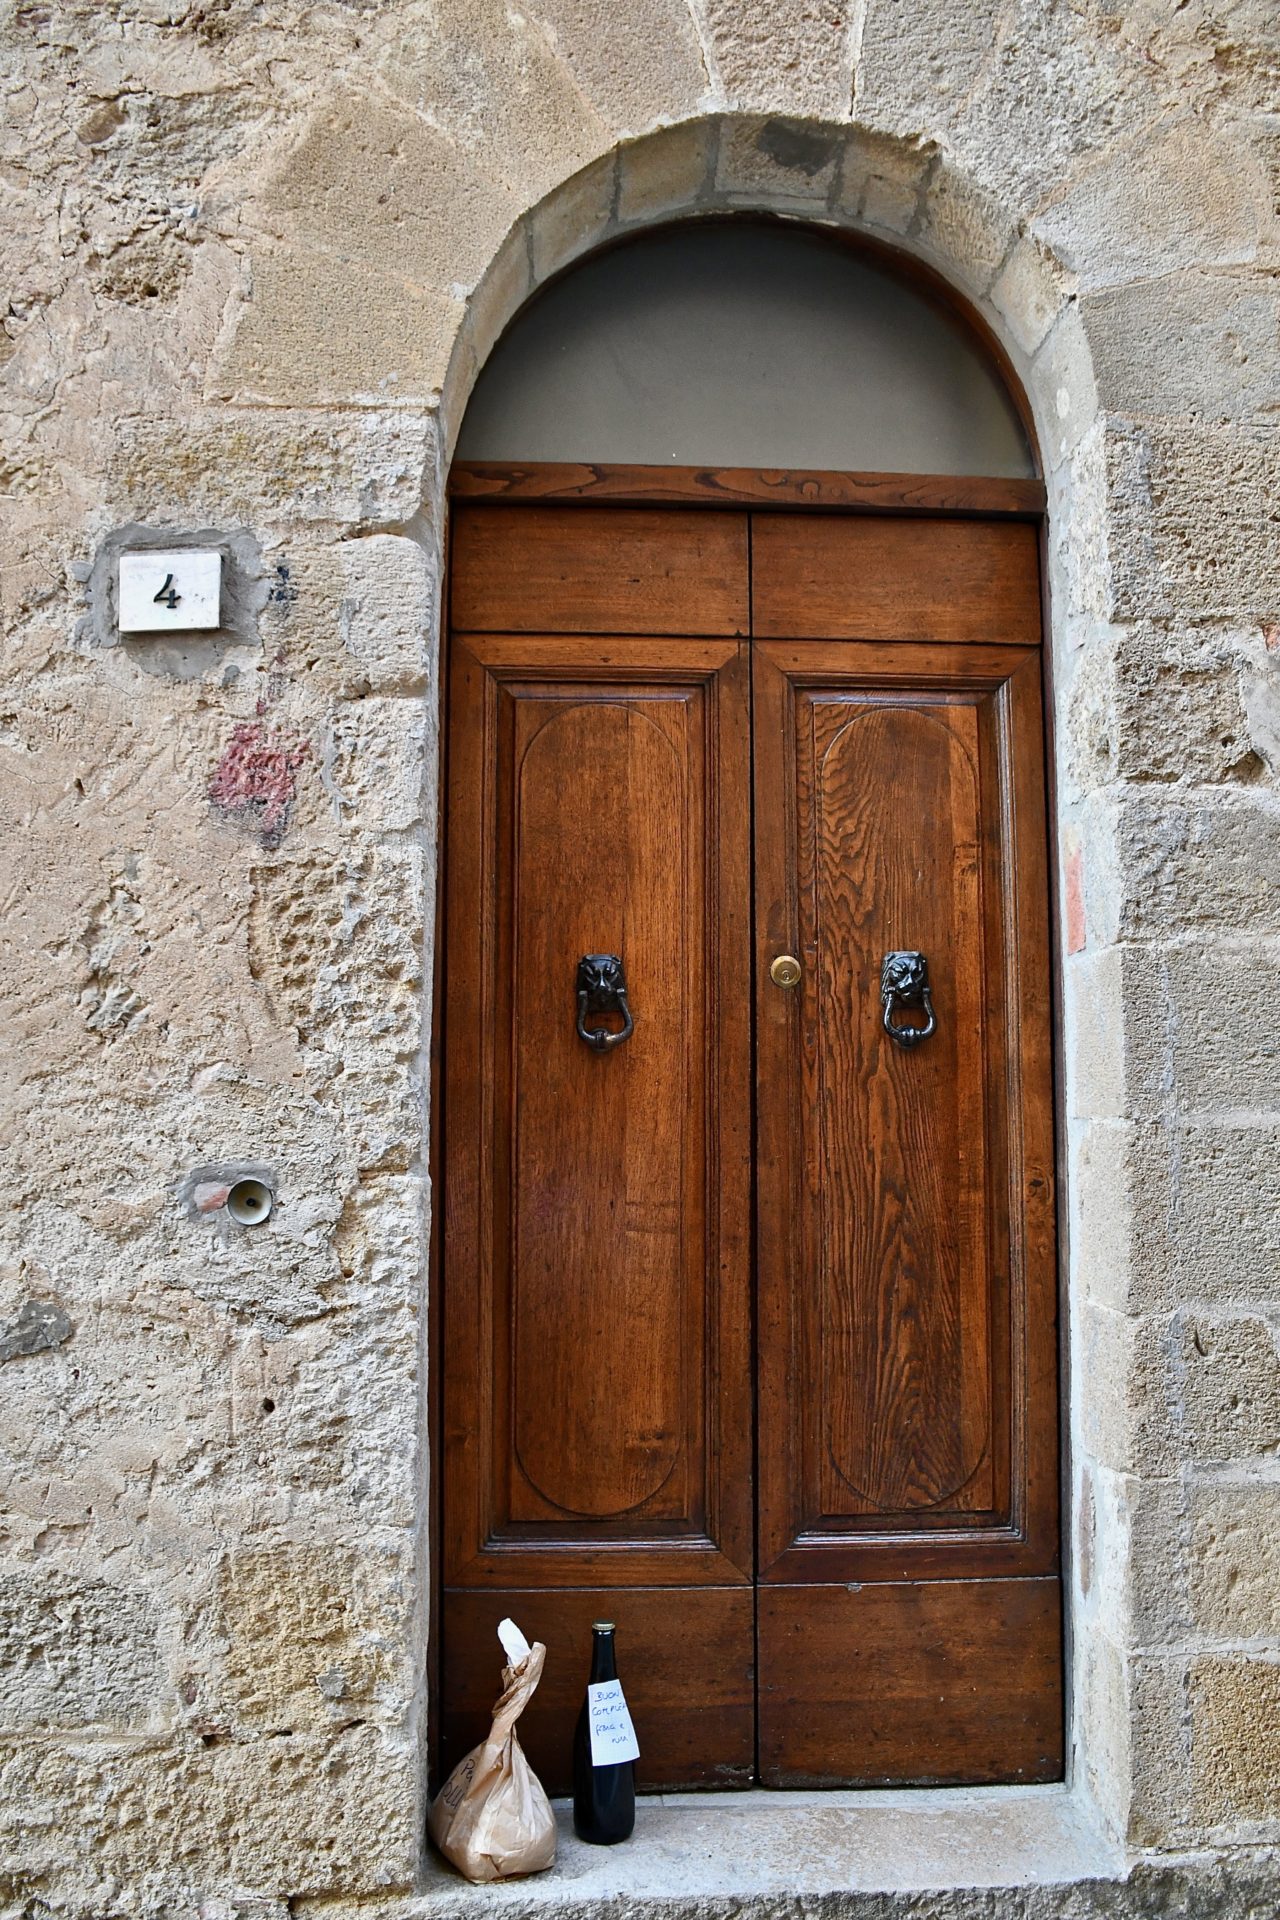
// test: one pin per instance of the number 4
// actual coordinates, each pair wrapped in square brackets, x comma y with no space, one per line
[168,594]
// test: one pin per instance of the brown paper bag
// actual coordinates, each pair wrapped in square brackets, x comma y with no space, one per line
[491,1818]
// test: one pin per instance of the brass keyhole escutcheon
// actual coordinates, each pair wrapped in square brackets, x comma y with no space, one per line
[785,971]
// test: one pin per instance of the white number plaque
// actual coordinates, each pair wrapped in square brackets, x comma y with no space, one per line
[170,592]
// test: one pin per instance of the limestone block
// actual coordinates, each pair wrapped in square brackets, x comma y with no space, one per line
[575,219]
[494,303]
[637,65]
[1226,1054]
[1192,514]
[311,1635]
[76,1653]
[1063,372]
[1080,533]
[1166,1213]
[1175,197]
[1146,1574]
[115,1830]
[1235,1560]
[1051,96]
[1103,1729]
[777,56]
[1185,344]
[325,1814]
[917,66]
[1101,1190]
[882,179]
[489,77]
[1161,1776]
[1125,1422]
[668,172]
[1235,1740]
[370,181]
[1115,1005]
[1148,704]
[388,611]
[1231,1386]
[384,1117]
[787,165]
[222,467]
[965,229]
[1030,291]
[1210,1211]
[332,330]
[377,765]
[1212,862]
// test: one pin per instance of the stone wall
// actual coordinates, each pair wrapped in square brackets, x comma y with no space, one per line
[255,253]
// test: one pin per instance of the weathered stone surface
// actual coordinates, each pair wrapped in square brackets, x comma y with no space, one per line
[1235,1735]
[310,1635]
[1166,706]
[638,64]
[788,162]
[669,173]
[1207,861]
[238,466]
[489,77]
[1168,1212]
[114,1831]
[371,181]
[1235,1560]
[309,333]
[1225,1059]
[76,1654]
[1192,510]
[387,611]
[40,1326]
[776,56]
[1186,345]
[1030,292]
[1230,1386]
[918,66]
[1169,199]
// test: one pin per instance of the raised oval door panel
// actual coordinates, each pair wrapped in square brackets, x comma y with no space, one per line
[597,1409]
[906,1345]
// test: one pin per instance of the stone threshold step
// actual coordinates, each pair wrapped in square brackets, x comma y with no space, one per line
[752,1847]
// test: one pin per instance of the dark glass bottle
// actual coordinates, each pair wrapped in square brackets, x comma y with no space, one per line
[604,1798]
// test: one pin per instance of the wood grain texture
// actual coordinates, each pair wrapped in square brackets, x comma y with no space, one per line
[598,1368]
[925,493]
[901,1167]
[685,1658]
[822,578]
[597,1376]
[530,569]
[905,1266]
[941,1683]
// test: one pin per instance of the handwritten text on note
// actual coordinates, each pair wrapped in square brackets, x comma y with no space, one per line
[613,1738]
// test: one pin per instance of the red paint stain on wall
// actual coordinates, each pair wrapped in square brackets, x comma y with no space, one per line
[1075,920]
[256,779]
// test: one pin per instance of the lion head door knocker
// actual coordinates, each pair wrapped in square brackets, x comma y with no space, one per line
[904,983]
[602,990]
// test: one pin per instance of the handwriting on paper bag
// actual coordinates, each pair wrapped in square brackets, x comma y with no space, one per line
[613,1738]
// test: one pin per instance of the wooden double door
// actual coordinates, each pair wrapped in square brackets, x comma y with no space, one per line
[749,1316]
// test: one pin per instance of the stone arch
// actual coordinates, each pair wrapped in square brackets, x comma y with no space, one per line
[908,197]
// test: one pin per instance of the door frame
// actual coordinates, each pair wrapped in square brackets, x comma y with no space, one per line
[932,496]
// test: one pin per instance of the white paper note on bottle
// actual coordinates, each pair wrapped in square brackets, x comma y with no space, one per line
[613,1738]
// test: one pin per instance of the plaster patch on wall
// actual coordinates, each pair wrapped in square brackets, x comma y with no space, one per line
[40,1326]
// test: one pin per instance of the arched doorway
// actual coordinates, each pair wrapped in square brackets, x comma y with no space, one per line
[748,1252]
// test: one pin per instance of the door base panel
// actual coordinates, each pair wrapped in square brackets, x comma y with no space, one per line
[939,1683]
[685,1659]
